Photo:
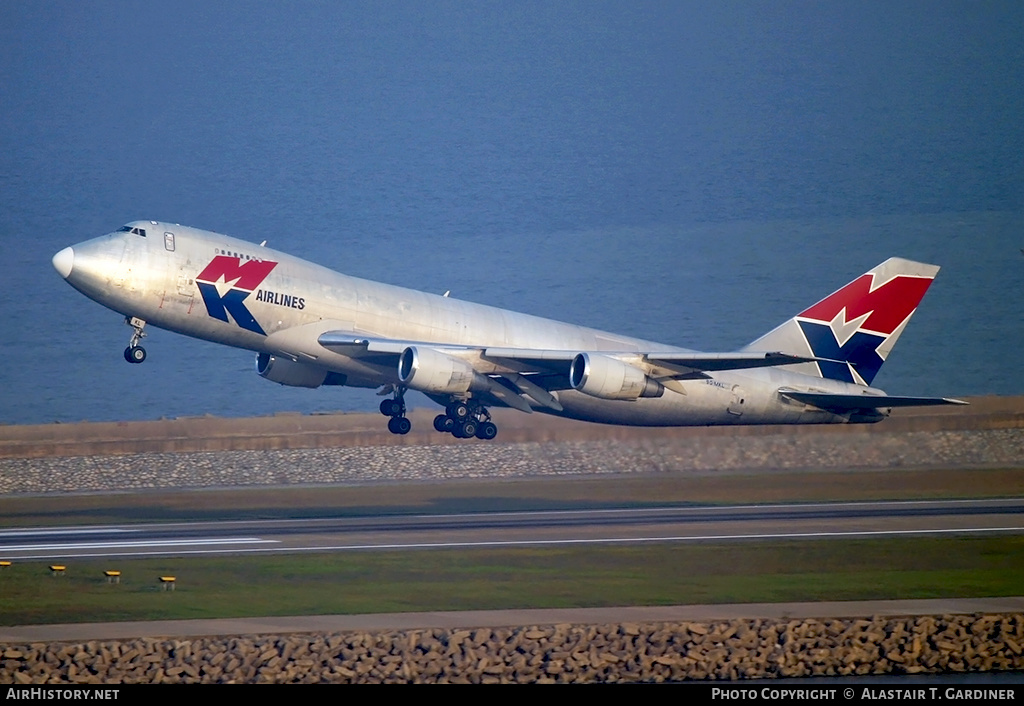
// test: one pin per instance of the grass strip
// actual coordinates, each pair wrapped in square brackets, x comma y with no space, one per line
[396,581]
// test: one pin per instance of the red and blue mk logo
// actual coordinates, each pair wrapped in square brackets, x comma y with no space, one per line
[848,327]
[243,279]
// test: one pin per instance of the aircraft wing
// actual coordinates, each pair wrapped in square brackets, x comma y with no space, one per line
[662,364]
[504,383]
[511,373]
[844,403]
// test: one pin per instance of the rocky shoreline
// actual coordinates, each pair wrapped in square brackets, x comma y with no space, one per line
[623,653]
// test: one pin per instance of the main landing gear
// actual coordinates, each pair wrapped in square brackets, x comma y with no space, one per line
[395,408]
[465,420]
[135,353]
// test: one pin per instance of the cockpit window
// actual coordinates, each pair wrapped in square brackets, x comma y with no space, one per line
[129,229]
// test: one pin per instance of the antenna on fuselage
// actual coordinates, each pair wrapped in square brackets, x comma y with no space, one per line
[446,293]
[263,243]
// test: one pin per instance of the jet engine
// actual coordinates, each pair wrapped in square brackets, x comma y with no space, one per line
[428,370]
[610,378]
[288,372]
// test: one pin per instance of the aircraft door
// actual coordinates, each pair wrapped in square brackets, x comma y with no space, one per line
[735,407]
[186,285]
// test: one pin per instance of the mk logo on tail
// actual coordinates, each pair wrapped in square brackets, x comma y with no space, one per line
[243,279]
[849,327]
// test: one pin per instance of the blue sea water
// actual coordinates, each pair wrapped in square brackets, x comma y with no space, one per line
[693,173]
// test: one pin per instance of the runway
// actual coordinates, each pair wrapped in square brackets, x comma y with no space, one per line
[737,523]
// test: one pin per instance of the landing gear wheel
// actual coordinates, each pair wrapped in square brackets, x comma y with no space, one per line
[392,408]
[466,419]
[467,429]
[457,410]
[395,408]
[135,354]
[399,425]
[487,431]
[443,423]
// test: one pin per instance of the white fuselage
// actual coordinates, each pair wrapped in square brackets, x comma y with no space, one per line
[154,278]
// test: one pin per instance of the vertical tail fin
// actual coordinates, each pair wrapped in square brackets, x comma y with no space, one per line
[854,328]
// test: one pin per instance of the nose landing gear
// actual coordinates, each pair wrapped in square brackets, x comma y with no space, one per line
[135,353]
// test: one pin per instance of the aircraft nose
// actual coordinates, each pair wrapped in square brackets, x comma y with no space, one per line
[64,261]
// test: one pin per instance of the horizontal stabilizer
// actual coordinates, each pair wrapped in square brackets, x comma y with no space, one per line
[839,402]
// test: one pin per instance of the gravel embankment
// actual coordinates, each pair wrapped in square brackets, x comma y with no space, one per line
[372,464]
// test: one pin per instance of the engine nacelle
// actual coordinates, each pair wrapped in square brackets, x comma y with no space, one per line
[610,378]
[288,372]
[428,370]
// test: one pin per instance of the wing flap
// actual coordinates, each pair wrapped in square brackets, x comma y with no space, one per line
[348,343]
[682,366]
[510,397]
[538,393]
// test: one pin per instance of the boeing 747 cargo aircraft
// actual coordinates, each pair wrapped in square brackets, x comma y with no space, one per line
[310,326]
